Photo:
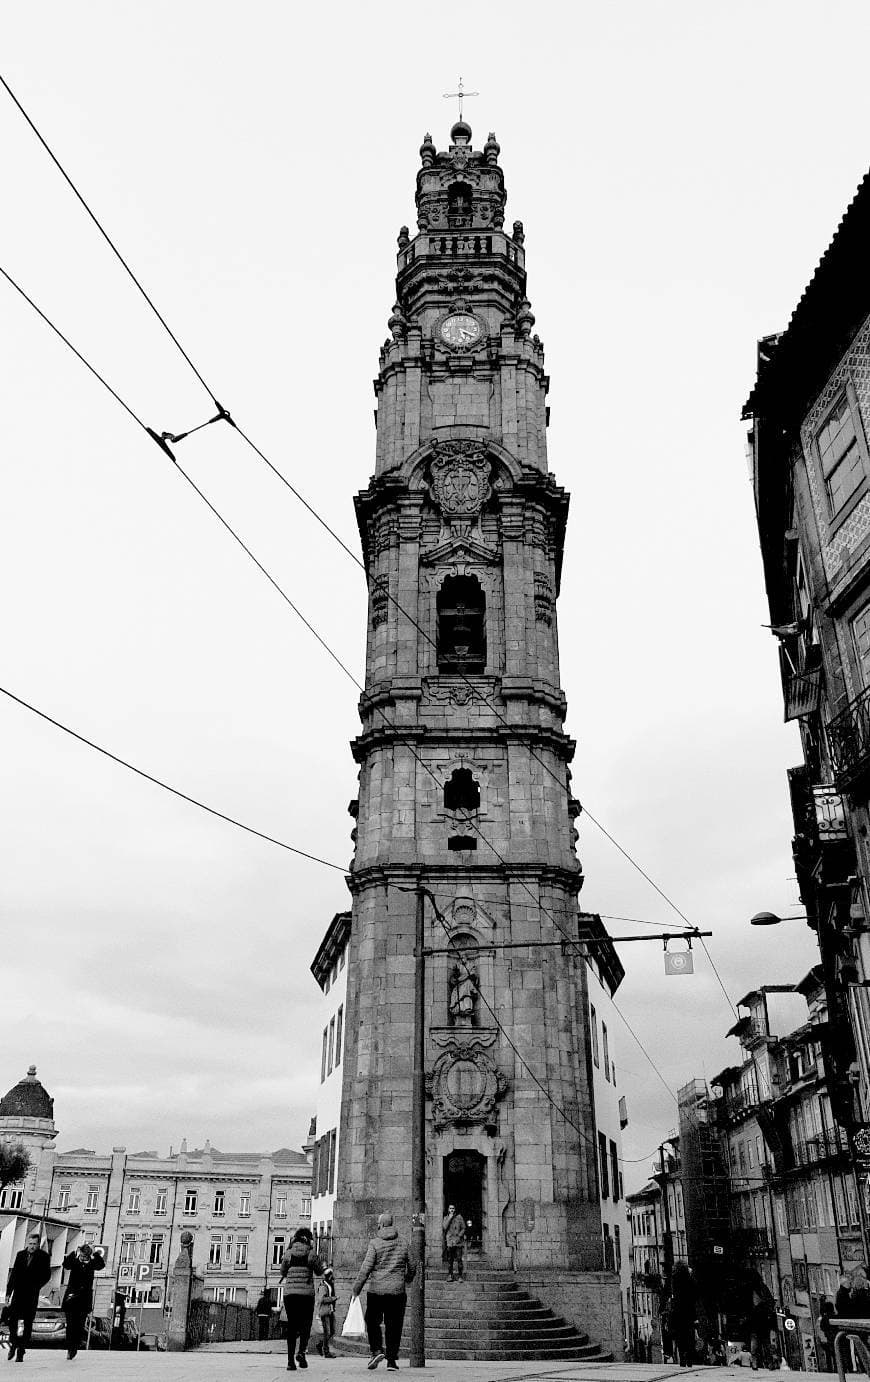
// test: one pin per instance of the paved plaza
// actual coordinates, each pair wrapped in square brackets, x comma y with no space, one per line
[217,1364]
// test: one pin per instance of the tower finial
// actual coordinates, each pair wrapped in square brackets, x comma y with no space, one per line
[451,95]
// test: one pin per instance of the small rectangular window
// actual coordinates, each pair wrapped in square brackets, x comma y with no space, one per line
[214,1252]
[305,1211]
[244,1206]
[614,1171]
[323,1055]
[339,1032]
[92,1200]
[156,1253]
[160,1206]
[602,1165]
[606,1050]
[341,957]
[63,1198]
[594,1023]
[840,446]
[219,1202]
[331,1184]
[128,1247]
[242,1253]
[190,1201]
[281,1207]
[277,1250]
[330,1047]
[134,1200]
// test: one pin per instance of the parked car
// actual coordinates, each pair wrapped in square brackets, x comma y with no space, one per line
[49,1327]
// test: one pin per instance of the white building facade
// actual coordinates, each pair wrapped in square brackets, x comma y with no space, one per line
[329,968]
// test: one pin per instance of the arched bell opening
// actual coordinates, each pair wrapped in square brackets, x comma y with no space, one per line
[461,610]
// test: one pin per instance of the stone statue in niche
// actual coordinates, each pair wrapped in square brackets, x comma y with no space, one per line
[464,987]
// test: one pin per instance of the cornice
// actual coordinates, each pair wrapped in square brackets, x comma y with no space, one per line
[384,875]
[435,737]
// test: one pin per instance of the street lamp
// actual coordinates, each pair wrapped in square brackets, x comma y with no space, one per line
[771,918]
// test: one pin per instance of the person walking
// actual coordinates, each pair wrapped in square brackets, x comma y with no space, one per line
[762,1324]
[30,1271]
[299,1266]
[682,1311]
[263,1311]
[78,1298]
[326,1303]
[388,1267]
[453,1226]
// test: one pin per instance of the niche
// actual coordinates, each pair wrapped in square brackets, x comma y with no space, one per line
[461,792]
[461,610]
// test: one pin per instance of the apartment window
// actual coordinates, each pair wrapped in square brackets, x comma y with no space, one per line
[331,1180]
[214,1251]
[602,1165]
[244,1206]
[242,1253]
[339,1032]
[841,451]
[305,1211]
[219,1202]
[323,1055]
[160,1206]
[617,1246]
[594,1034]
[134,1201]
[606,1051]
[614,1171]
[281,1207]
[330,1047]
[277,1250]
[128,1247]
[155,1255]
[11,1198]
[341,957]
[63,1198]
[92,1199]
[750,1150]
[190,1201]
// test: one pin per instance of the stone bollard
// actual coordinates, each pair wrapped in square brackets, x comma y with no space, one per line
[185,1286]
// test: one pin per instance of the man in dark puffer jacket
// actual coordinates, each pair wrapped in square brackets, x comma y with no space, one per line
[387,1267]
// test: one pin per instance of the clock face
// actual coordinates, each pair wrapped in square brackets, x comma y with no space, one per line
[461,329]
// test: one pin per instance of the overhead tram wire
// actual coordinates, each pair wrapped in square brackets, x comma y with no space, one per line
[166,786]
[544,911]
[223,414]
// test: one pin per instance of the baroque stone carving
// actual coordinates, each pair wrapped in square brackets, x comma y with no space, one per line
[464,986]
[461,478]
[380,599]
[454,693]
[543,599]
[465,1084]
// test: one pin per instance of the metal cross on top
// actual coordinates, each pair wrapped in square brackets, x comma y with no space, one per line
[451,95]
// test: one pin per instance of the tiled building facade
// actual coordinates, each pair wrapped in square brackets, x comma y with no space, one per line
[810,414]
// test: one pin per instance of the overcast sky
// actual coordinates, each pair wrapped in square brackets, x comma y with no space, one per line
[680,168]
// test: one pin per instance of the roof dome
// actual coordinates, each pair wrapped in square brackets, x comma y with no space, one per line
[27,1099]
[460,133]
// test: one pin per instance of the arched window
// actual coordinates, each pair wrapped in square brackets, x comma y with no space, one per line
[461,608]
[459,206]
[461,793]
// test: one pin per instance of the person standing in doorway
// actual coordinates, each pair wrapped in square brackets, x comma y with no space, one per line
[299,1267]
[387,1267]
[78,1298]
[30,1271]
[453,1226]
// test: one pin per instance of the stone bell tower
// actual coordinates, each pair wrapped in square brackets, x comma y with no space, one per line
[464,778]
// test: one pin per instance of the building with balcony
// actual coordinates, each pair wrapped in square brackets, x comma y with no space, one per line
[658,1230]
[241,1207]
[795,1214]
[808,441]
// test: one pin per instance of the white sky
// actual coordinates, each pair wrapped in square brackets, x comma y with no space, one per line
[680,168]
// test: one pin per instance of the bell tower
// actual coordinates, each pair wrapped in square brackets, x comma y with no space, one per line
[464,781]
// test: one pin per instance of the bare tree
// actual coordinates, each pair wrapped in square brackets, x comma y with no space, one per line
[15,1162]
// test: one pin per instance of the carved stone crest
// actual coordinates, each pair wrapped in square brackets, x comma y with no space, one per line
[465,1085]
[461,473]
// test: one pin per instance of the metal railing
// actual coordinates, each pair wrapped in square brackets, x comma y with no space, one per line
[219,1322]
[849,737]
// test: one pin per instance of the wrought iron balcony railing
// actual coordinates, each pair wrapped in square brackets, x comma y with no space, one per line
[849,738]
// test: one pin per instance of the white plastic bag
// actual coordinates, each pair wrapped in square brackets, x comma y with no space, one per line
[354,1325]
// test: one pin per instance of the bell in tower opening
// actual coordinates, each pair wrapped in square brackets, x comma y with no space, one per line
[464,781]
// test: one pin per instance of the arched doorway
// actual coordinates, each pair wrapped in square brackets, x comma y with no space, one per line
[465,1187]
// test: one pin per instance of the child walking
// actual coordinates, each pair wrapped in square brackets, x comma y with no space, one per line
[326,1310]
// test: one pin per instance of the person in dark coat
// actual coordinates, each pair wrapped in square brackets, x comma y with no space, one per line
[387,1267]
[682,1311]
[78,1298]
[826,1334]
[453,1227]
[263,1311]
[762,1324]
[30,1272]
[299,1267]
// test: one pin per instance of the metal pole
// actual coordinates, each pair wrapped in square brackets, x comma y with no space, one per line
[417,1314]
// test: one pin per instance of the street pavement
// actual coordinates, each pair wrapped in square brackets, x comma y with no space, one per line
[216,1363]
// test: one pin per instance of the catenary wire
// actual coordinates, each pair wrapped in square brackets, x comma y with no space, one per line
[166,786]
[110,242]
[544,911]
[277,472]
